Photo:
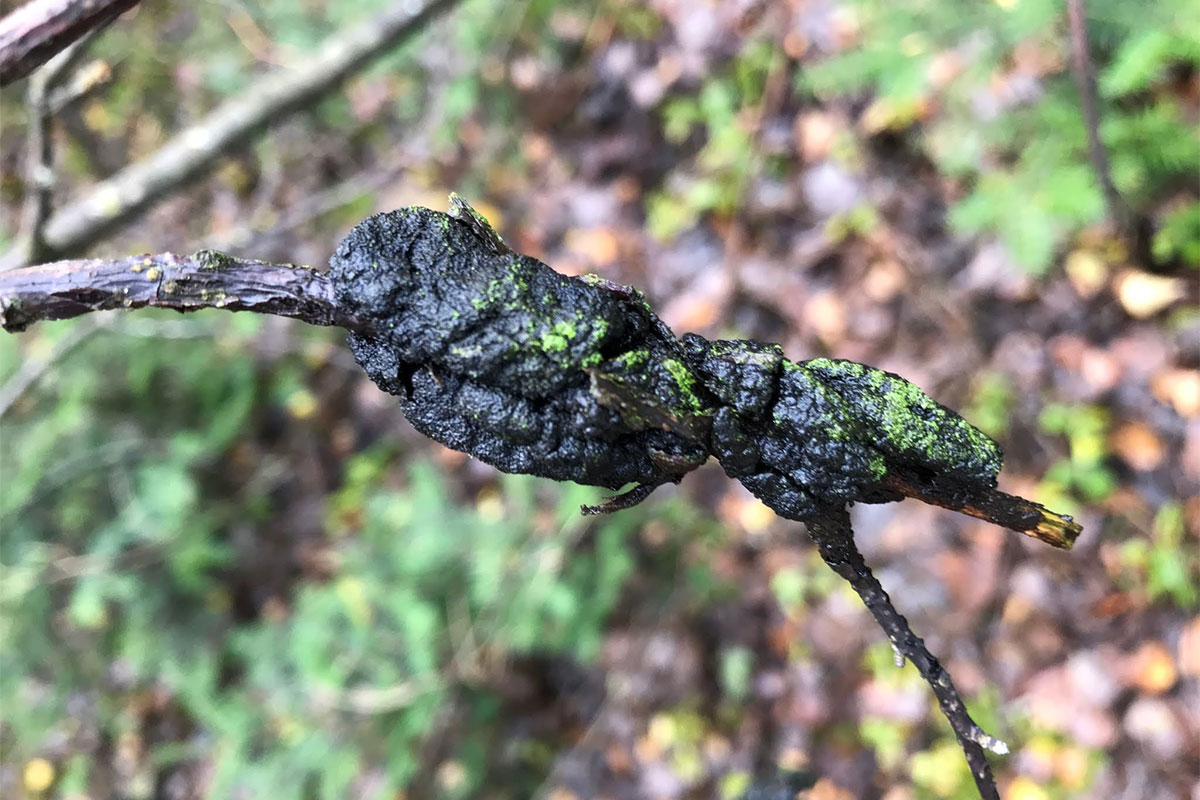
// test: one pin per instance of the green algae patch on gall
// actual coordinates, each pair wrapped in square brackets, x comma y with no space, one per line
[558,337]
[685,383]
[908,422]
[632,359]
[212,259]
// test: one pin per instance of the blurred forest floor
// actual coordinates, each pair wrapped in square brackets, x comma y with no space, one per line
[231,568]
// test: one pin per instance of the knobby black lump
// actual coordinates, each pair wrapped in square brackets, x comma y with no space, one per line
[495,354]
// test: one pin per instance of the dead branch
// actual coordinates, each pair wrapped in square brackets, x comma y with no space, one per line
[31,35]
[1006,510]
[835,542]
[206,279]
[39,163]
[387,256]
[187,155]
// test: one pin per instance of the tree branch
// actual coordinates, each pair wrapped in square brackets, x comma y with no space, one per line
[39,167]
[835,541]
[1119,216]
[206,279]
[187,155]
[32,34]
[39,164]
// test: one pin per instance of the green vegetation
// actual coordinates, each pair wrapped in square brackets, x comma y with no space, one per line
[991,404]
[721,113]
[135,504]
[1084,476]
[986,91]
[1163,566]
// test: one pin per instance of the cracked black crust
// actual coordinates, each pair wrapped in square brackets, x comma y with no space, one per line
[774,431]
[494,354]
[463,345]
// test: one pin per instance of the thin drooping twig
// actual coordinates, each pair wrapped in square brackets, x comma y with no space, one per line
[1085,79]
[39,169]
[32,369]
[206,279]
[187,155]
[835,542]
[39,165]
[312,206]
[32,34]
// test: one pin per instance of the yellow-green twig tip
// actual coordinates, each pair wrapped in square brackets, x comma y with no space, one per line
[1058,530]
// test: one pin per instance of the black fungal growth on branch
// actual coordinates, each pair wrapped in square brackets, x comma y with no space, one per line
[495,354]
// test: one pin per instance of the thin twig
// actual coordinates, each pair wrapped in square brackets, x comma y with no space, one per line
[84,82]
[312,206]
[1085,78]
[186,156]
[32,369]
[32,34]
[39,170]
[206,279]
[992,505]
[835,541]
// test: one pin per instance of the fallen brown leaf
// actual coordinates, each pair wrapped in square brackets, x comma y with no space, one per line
[1087,272]
[827,315]
[1180,388]
[884,280]
[1138,445]
[826,789]
[814,133]
[1189,649]
[1151,668]
[597,245]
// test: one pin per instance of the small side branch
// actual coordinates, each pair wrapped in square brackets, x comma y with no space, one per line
[39,168]
[835,541]
[206,279]
[39,164]
[991,505]
[32,34]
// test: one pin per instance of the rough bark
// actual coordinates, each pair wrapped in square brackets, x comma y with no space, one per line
[206,279]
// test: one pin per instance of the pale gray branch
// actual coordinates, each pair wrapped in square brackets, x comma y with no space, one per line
[32,34]
[188,154]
